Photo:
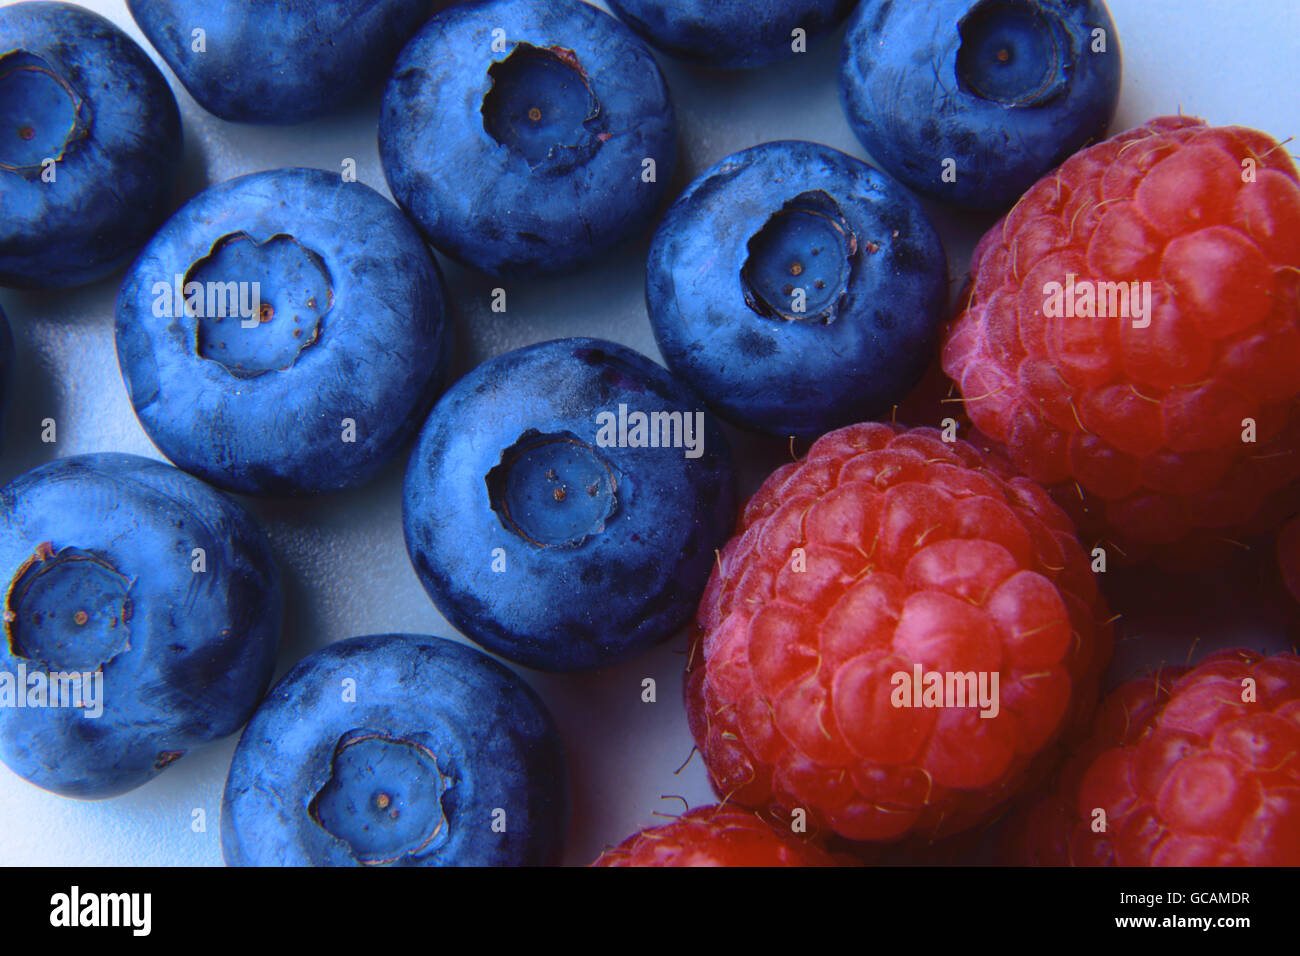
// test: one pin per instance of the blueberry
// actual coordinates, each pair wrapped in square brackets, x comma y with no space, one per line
[526,137]
[797,289]
[972,101]
[131,569]
[564,501]
[284,333]
[397,750]
[731,34]
[266,61]
[90,144]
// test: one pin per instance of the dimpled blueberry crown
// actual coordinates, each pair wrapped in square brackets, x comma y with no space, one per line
[807,246]
[68,610]
[541,105]
[1013,53]
[553,490]
[295,292]
[383,797]
[40,114]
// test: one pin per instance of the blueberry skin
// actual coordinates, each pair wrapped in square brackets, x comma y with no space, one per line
[539,592]
[353,275]
[730,34]
[860,344]
[484,740]
[922,83]
[65,68]
[271,62]
[187,654]
[530,198]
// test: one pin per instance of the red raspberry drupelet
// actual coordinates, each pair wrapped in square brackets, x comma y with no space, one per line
[883,549]
[714,836]
[1189,770]
[1146,418]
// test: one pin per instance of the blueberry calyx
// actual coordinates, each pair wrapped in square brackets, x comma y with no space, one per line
[41,115]
[540,104]
[1013,53]
[800,264]
[69,610]
[281,282]
[383,798]
[553,490]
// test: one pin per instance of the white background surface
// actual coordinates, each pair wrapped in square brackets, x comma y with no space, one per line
[345,565]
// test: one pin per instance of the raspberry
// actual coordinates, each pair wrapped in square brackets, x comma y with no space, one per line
[1188,770]
[1147,421]
[714,836]
[882,549]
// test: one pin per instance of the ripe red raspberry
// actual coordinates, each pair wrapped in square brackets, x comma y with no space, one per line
[882,549]
[1188,770]
[714,836]
[1148,421]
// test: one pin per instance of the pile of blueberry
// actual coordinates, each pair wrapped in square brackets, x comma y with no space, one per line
[565,504]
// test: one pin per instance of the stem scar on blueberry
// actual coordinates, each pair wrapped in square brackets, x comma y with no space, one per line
[528,489]
[383,797]
[63,609]
[166,758]
[790,243]
[41,115]
[1014,53]
[243,277]
[540,104]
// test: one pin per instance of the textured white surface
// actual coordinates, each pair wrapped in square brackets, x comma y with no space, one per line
[345,565]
